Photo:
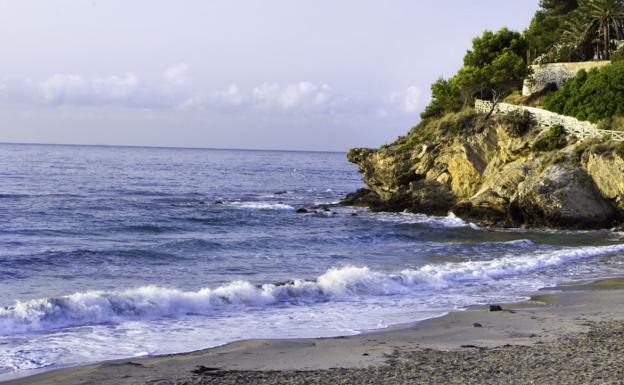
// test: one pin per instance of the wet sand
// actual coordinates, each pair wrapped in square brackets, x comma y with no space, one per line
[571,335]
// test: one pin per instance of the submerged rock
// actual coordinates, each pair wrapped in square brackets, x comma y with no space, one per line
[363,198]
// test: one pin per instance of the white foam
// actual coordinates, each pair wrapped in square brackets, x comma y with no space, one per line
[523,243]
[260,205]
[449,221]
[336,284]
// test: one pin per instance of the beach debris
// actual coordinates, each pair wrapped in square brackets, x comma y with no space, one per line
[477,325]
[496,308]
[131,363]
[204,370]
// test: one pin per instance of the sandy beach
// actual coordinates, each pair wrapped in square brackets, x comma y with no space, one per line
[571,335]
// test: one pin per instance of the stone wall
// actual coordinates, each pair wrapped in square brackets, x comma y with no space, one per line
[546,119]
[556,73]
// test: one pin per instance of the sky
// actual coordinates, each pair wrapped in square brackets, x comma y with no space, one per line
[257,74]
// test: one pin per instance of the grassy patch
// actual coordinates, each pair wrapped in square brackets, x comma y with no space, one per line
[614,123]
[434,129]
[579,150]
[620,150]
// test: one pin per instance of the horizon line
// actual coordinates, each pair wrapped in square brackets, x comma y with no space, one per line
[166,147]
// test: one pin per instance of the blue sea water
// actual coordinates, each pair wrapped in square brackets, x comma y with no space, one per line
[113,252]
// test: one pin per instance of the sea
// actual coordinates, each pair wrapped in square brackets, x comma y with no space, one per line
[116,252]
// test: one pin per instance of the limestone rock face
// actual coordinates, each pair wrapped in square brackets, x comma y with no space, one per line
[387,175]
[492,178]
[607,172]
[562,197]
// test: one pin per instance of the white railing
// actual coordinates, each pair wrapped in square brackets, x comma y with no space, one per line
[546,119]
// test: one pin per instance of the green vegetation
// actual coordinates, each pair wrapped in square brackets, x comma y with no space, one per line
[429,130]
[553,139]
[618,55]
[496,65]
[597,95]
[575,30]
[456,122]
[548,27]
[614,123]
[518,123]
[493,68]
[620,150]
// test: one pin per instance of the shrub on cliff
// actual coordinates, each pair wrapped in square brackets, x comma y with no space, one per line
[615,123]
[458,122]
[518,123]
[594,96]
[445,97]
[553,139]
[494,66]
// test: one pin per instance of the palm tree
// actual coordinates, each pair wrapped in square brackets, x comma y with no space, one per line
[606,19]
[576,35]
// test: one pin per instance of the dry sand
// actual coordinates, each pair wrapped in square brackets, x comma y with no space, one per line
[572,335]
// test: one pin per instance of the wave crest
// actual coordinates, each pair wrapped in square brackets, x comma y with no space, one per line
[336,284]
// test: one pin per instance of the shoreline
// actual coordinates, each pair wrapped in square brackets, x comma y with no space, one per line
[548,316]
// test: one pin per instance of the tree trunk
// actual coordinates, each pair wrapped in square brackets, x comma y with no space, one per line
[606,42]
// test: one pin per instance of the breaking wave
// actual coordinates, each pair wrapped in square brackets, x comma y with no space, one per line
[336,284]
[450,221]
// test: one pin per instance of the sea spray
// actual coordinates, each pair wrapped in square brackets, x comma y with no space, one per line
[337,284]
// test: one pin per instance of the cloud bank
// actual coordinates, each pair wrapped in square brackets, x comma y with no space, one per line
[174,90]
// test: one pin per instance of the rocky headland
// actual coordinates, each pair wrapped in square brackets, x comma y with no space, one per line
[502,170]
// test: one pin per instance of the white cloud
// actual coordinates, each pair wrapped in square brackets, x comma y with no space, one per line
[291,96]
[411,102]
[299,97]
[407,101]
[232,95]
[129,91]
[74,89]
[177,75]
[230,98]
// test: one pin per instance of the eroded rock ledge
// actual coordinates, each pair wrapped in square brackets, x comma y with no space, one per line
[492,177]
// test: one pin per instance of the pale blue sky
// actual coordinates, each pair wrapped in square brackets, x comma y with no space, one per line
[280,74]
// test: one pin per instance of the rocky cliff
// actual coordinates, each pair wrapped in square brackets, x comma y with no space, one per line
[488,172]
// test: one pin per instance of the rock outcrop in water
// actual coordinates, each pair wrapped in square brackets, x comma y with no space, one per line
[491,175]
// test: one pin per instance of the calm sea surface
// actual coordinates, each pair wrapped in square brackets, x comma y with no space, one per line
[111,252]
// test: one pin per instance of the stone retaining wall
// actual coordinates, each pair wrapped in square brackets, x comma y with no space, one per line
[555,73]
[546,119]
